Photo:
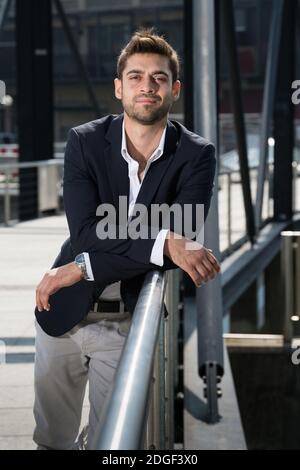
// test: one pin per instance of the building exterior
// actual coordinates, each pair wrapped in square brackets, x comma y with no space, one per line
[102,28]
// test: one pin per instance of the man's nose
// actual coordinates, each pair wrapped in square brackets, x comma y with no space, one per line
[148,85]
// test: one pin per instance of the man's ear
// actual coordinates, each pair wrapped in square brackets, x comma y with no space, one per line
[176,90]
[118,88]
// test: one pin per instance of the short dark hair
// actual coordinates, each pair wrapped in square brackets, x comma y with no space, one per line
[147,41]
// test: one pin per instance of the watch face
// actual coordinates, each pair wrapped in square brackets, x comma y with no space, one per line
[80,261]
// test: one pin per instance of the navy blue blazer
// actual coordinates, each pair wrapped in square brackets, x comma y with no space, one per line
[94,173]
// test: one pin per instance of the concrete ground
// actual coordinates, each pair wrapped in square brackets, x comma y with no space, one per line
[27,250]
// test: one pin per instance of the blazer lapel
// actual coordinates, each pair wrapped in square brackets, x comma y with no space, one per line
[158,168]
[117,168]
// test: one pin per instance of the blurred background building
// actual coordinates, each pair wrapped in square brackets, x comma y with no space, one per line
[102,28]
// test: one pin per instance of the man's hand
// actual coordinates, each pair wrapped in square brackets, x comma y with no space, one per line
[196,260]
[55,279]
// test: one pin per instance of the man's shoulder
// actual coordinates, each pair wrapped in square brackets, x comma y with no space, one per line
[191,139]
[101,124]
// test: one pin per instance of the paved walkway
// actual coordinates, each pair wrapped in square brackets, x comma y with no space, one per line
[27,251]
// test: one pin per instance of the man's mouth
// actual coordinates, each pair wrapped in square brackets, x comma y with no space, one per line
[146,100]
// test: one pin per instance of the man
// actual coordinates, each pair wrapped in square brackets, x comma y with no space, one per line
[83,310]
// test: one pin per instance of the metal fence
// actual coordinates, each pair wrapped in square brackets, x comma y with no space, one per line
[232,219]
[49,186]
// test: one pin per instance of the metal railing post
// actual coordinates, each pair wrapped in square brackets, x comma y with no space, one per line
[297,277]
[155,426]
[149,432]
[294,183]
[229,209]
[290,273]
[6,199]
[171,353]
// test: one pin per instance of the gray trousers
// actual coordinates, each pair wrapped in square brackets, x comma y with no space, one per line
[89,352]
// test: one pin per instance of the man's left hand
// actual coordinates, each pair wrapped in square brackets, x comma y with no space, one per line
[55,279]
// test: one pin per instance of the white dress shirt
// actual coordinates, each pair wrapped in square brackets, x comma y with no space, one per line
[157,254]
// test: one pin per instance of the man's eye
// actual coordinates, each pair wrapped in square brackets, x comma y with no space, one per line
[133,77]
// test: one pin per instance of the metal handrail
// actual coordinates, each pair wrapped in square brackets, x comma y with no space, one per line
[122,423]
[226,171]
[32,164]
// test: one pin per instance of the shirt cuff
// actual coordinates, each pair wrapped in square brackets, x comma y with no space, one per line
[157,253]
[88,267]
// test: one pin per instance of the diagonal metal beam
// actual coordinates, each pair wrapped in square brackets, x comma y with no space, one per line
[81,67]
[4,7]
[297,22]
[268,103]
[226,7]
[188,67]
[283,118]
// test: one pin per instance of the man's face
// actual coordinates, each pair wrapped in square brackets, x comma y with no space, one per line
[146,89]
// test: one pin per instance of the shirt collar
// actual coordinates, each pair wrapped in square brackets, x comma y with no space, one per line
[155,155]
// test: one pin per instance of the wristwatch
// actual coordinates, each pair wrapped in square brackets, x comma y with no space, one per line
[80,262]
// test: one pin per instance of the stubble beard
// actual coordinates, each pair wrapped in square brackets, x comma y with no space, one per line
[147,117]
